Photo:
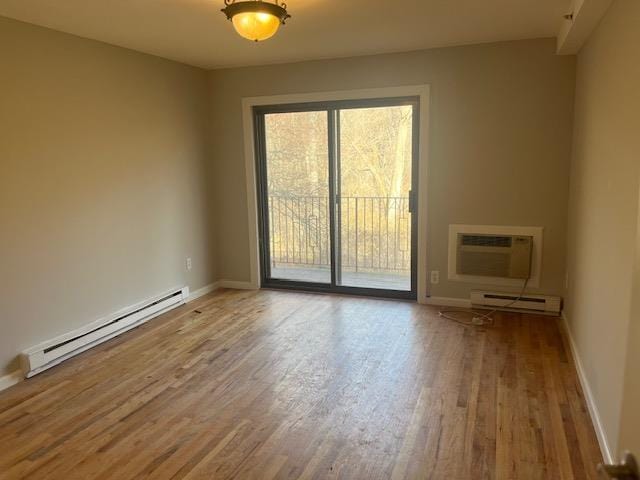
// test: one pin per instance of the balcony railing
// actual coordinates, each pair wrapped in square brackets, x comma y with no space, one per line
[375,232]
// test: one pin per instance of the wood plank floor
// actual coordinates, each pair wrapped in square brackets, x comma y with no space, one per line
[244,384]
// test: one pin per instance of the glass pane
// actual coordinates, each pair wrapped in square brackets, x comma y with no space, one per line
[375,180]
[298,194]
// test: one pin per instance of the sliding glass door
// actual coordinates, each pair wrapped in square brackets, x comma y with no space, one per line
[297,196]
[336,183]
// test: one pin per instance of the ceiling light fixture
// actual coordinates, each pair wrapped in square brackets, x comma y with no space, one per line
[256,19]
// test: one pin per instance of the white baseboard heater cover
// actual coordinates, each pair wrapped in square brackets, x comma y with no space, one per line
[52,352]
[545,304]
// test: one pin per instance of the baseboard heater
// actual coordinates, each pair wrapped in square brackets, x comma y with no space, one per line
[545,304]
[56,350]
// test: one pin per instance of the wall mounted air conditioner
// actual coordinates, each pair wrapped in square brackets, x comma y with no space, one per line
[494,255]
[56,350]
[545,304]
[498,255]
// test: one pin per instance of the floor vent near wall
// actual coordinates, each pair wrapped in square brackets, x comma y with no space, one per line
[545,304]
[52,352]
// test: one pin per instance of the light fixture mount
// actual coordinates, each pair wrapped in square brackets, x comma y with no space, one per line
[256,19]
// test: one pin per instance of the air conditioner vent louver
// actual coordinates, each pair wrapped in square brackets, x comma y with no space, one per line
[486,240]
[498,256]
[488,264]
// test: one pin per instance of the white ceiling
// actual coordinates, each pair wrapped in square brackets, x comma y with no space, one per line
[197,33]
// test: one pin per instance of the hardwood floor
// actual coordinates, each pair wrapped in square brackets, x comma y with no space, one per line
[243,384]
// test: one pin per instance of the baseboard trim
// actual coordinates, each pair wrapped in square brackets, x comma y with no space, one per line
[237,285]
[212,287]
[10,379]
[588,394]
[447,302]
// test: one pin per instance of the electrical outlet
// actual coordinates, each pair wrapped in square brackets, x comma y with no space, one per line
[435,276]
[188,263]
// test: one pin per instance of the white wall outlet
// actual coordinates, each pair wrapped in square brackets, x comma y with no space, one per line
[435,276]
[188,263]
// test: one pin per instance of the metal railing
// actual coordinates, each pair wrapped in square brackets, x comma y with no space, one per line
[375,232]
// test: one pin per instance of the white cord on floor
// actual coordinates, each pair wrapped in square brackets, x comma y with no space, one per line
[479,318]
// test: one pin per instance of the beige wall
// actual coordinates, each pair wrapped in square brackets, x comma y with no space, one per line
[102,182]
[106,183]
[603,212]
[500,141]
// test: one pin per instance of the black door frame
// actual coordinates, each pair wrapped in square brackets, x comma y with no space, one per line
[332,108]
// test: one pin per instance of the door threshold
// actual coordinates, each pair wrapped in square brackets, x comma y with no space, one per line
[345,291]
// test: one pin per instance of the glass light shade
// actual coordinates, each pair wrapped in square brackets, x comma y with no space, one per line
[256,26]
